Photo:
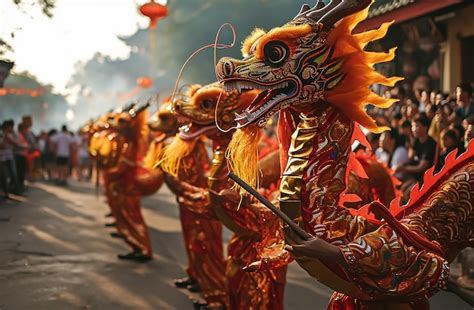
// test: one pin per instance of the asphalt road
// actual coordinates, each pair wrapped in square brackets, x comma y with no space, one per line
[55,253]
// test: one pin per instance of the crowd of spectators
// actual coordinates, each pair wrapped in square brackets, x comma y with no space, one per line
[425,128]
[52,156]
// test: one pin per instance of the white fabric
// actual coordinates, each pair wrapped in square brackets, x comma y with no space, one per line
[400,157]
[381,155]
[63,142]
[82,147]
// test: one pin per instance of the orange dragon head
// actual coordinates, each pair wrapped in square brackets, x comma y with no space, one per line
[203,106]
[165,120]
[311,63]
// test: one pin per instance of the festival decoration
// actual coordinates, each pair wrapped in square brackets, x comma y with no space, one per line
[154,11]
[22,91]
[145,82]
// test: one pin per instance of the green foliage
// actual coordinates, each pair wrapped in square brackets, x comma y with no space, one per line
[47,6]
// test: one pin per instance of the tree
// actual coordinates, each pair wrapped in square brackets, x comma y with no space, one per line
[46,5]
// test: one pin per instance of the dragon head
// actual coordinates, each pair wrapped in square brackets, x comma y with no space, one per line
[130,122]
[309,64]
[204,105]
[165,120]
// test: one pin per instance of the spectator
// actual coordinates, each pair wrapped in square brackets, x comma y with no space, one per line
[49,157]
[3,166]
[395,120]
[405,130]
[450,142]
[422,154]
[469,129]
[20,151]
[465,108]
[33,155]
[393,144]
[10,142]
[459,130]
[62,142]
[412,109]
[424,100]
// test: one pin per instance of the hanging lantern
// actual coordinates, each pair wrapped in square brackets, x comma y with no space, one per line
[154,11]
[145,82]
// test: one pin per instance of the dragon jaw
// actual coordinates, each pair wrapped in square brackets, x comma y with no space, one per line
[273,97]
[202,104]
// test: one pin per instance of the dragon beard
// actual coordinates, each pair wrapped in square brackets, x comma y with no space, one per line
[242,156]
[172,157]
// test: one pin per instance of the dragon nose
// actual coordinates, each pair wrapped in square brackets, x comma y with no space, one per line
[225,68]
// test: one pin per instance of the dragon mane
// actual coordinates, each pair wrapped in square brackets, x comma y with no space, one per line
[353,94]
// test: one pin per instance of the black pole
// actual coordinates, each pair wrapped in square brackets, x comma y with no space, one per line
[298,230]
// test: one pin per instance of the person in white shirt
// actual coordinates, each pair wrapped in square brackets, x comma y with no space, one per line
[393,144]
[62,142]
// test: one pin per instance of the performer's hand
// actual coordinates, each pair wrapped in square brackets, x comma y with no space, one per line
[314,248]
[231,196]
[198,196]
[252,267]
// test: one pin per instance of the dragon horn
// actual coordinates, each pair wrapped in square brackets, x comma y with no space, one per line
[331,13]
[342,9]
[304,8]
[142,108]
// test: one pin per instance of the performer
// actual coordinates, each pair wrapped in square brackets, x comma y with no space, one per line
[256,231]
[104,148]
[202,232]
[315,71]
[133,129]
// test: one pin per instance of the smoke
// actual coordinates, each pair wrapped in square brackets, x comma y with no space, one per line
[48,110]
[103,83]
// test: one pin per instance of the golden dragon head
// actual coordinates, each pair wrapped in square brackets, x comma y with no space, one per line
[311,63]
[202,107]
[205,105]
[165,121]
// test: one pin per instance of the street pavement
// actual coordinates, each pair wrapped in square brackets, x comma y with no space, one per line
[55,253]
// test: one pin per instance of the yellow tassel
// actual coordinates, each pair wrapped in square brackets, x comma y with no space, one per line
[173,155]
[242,156]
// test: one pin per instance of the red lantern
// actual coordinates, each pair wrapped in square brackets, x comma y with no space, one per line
[145,82]
[154,11]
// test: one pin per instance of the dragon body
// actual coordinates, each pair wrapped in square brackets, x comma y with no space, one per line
[122,186]
[202,231]
[315,72]
[105,147]
[256,231]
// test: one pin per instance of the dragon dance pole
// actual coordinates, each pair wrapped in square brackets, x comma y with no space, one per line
[298,230]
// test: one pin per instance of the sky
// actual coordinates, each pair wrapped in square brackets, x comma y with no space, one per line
[50,48]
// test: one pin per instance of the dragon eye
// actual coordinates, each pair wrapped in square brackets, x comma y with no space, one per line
[276,53]
[206,104]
